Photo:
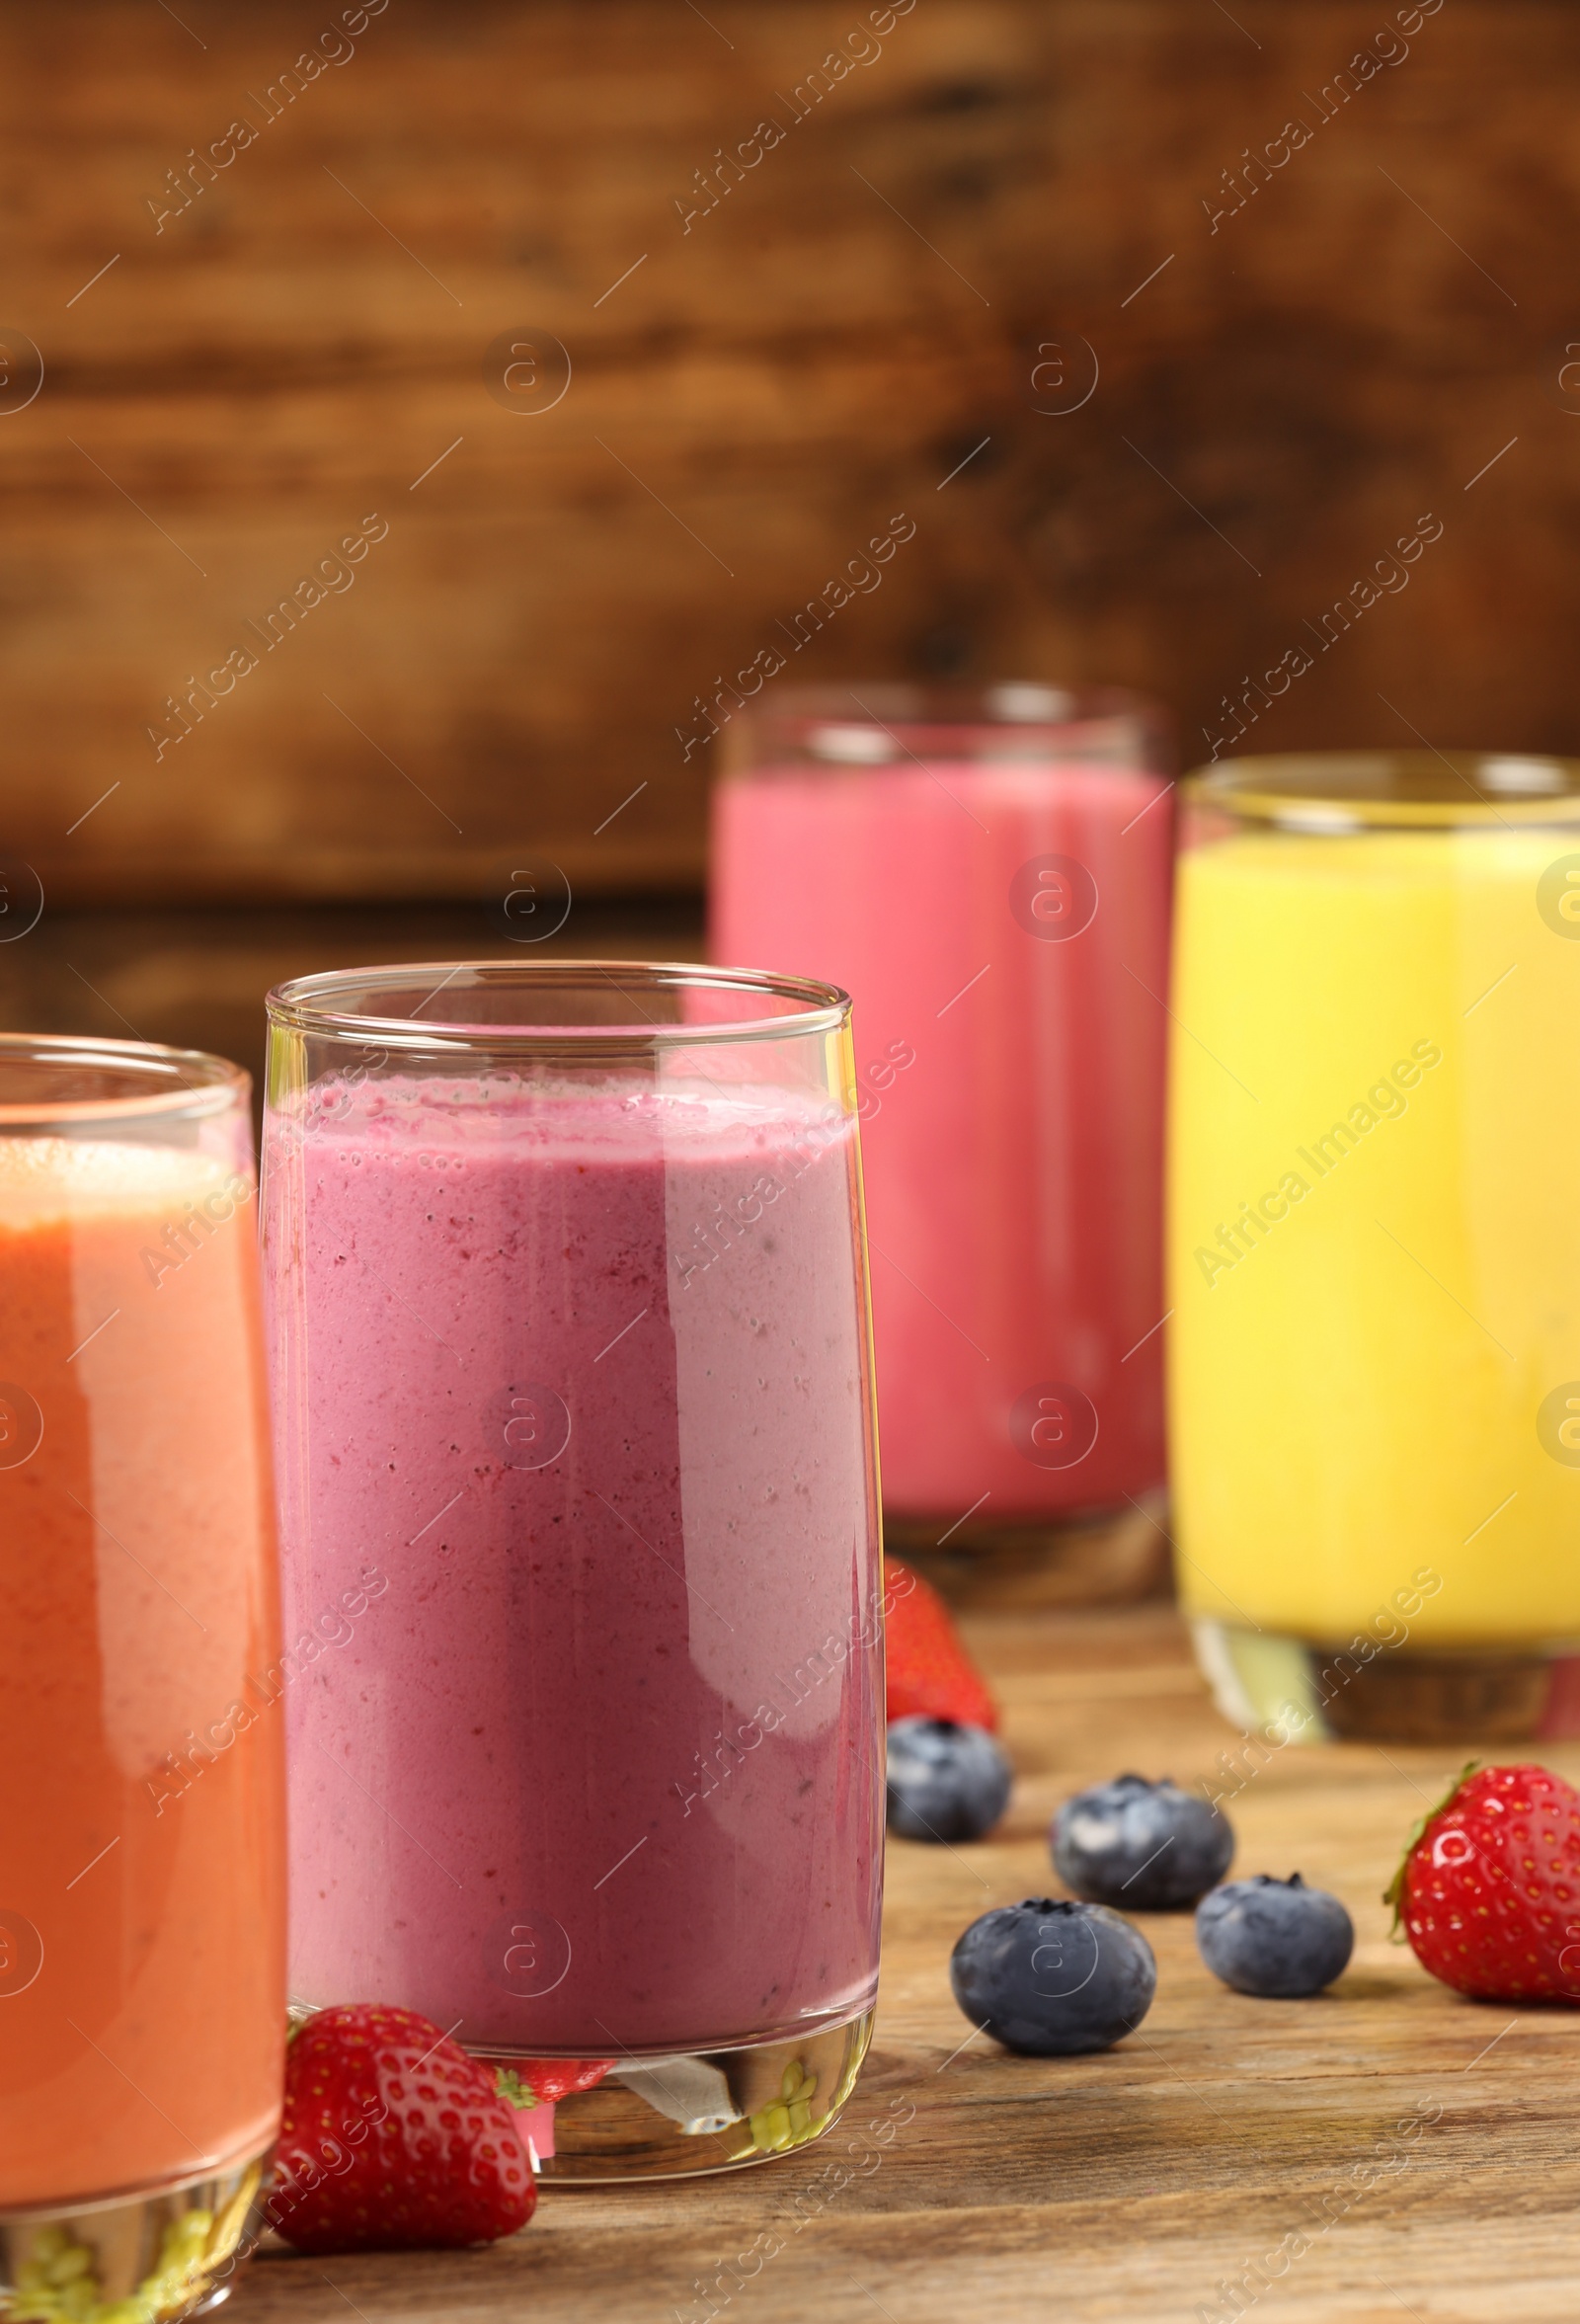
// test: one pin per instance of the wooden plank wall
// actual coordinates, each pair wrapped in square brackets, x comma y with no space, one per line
[755,389]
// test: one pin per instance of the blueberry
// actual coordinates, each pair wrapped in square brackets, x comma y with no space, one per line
[1278,1939]
[1148,1847]
[946,1781]
[1053,1979]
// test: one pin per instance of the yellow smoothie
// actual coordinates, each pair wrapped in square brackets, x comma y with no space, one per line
[1375,1233]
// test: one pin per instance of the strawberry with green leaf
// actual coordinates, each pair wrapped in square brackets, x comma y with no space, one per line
[1488,1890]
[393,2138]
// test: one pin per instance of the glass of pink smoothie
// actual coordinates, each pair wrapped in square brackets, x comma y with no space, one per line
[988,874]
[568,1318]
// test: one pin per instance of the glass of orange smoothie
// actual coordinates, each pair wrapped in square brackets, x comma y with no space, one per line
[141,1881]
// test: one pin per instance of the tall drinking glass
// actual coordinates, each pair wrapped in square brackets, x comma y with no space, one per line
[988,874]
[142,1979]
[1374,1240]
[570,1324]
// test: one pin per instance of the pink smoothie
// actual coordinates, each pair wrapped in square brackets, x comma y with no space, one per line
[584,1377]
[1010,1027]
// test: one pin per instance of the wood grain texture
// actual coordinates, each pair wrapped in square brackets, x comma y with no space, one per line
[197,978]
[1129,2185]
[1274,410]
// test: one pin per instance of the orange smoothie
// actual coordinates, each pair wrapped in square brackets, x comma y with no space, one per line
[141,1971]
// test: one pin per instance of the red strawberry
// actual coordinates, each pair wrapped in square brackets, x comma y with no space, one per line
[931,1674]
[1489,1887]
[542,2081]
[393,2136]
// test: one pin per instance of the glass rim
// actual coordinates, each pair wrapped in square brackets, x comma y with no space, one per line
[304,1004]
[1340,791]
[161,1081]
[1003,701]
[877,724]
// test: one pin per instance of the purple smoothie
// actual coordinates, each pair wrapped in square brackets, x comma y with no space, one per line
[585,1376]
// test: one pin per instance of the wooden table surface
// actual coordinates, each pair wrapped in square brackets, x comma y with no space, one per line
[1129,2185]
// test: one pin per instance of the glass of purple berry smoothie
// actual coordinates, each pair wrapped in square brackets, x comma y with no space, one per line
[579,1532]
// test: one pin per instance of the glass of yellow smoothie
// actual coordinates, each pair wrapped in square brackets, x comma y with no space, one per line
[1374,1226]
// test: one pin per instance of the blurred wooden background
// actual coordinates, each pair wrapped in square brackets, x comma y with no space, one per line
[749,401]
